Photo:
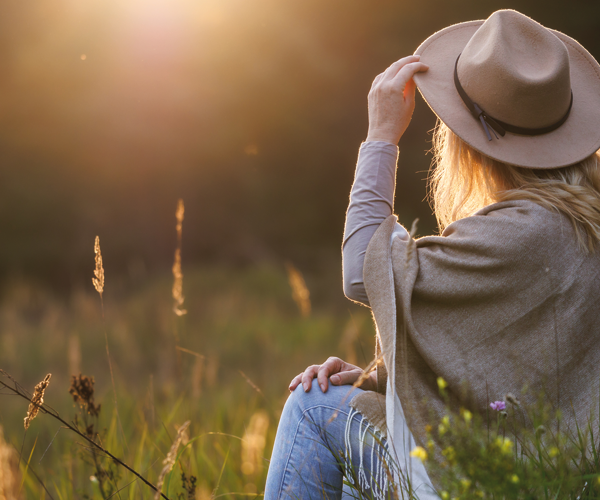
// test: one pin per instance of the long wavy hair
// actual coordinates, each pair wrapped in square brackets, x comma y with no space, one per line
[463,181]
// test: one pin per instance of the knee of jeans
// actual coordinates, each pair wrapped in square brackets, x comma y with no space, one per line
[299,399]
[335,396]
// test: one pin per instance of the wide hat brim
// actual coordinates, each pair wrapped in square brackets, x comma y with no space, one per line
[576,139]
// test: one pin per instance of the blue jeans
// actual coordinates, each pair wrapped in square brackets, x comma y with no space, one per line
[323,447]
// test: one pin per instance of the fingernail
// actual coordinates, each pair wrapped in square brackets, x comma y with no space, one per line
[305,385]
[335,379]
[323,387]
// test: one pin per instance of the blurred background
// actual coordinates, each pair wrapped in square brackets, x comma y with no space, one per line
[251,111]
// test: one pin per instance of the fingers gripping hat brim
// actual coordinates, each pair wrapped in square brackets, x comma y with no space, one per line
[576,139]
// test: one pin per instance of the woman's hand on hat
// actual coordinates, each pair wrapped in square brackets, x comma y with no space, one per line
[392,100]
[336,371]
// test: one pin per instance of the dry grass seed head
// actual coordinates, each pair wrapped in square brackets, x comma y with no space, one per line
[98,280]
[300,292]
[179,213]
[178,297]
[37,400]
[82,390]
[169,461]
[177,290]
[253,442]
[9,470]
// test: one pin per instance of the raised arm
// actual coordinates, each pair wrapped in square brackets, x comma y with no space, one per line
[391,104]
[371,201]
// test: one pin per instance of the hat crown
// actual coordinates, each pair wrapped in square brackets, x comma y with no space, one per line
[517,71]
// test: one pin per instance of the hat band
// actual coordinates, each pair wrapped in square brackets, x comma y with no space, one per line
[497,125]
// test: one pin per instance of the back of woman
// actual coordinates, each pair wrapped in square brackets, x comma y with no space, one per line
[503,301]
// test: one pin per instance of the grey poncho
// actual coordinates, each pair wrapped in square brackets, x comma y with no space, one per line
[504,299]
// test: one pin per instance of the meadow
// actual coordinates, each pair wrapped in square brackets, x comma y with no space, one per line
[207,367]
[224,366]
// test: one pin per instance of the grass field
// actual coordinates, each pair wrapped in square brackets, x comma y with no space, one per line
[224,366]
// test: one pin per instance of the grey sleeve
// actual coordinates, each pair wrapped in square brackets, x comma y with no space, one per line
[371,202]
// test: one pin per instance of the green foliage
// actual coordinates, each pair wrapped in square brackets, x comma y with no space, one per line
[238,320]
[509,457]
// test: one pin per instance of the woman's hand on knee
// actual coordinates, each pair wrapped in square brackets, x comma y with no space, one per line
[335,370]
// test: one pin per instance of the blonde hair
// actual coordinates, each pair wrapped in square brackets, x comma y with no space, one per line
[463,181]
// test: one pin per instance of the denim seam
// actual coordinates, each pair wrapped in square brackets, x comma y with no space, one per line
[285,475]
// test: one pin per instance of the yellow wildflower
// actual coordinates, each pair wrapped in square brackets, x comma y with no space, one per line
[446,496]
[514,478]
[467,415]
[504,444]
[554,451]
[444,425]
[442,384]
[449,453]
[419,452]
[465,483]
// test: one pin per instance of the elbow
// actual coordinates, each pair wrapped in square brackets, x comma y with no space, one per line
[352,271]
[348,291]
[355,292]
[353,260]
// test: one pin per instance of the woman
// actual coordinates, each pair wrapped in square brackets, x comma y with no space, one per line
[504,298]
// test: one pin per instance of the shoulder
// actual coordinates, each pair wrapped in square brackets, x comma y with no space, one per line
[517,230]
[509,221]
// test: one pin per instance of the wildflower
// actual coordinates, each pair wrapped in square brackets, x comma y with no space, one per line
[449,453]
[504,444]
[419,452]
[442,384]
[37,400]
[510,398]
[444,425]
[466,483]
[428,428]
[446,496]
[514,478]
[467,415]
[498,405]
[554,451]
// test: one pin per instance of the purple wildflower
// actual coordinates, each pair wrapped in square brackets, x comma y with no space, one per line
[498,405]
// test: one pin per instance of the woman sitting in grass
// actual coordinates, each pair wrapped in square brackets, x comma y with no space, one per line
[504,300]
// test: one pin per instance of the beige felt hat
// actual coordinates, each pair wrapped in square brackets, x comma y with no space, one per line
[515,91]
